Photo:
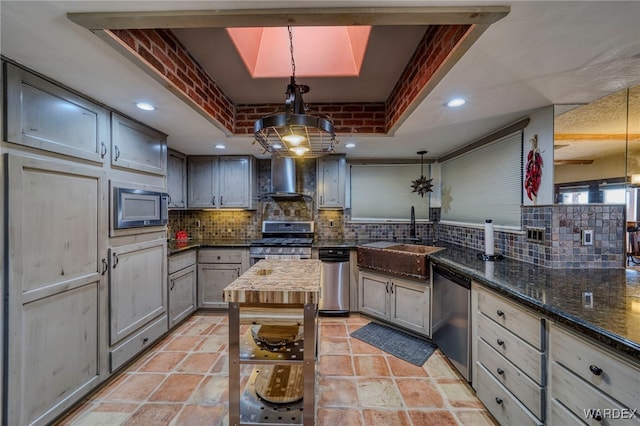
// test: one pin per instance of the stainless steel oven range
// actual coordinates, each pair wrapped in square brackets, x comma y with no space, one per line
[283,240]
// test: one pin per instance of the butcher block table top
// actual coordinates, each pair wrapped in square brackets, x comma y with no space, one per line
[271,281]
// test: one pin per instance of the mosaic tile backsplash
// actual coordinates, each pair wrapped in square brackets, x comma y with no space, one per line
[560,248]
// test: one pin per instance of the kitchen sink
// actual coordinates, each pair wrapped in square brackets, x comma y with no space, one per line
[397,259]
[413,248]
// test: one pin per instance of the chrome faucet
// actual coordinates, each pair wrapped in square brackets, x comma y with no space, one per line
[412,227]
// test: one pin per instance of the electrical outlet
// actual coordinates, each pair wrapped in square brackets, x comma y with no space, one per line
[197,223]
[587,237]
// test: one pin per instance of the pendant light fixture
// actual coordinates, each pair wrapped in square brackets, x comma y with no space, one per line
[296,131]
[422,185]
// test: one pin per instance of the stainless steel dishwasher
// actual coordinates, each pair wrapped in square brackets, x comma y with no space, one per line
[334,287]
[450,317]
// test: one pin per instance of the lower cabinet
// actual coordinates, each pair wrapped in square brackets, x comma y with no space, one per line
[217,268]
[509,372]
[137,297]
[182,286]
[400,301]
[589,384]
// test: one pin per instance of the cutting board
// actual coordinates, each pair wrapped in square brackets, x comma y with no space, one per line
[280,384]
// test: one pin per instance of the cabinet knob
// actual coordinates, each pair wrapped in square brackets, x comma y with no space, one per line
[145,340]
[213,200]
[386,286]
[117,152]
[105,266]
[221,201]
[500,313]
[391,288]
[500,342]
[103,150]
[595,370]
[115,260]
[500,371]
[498,400]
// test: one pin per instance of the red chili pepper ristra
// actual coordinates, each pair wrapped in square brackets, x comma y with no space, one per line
[533,169]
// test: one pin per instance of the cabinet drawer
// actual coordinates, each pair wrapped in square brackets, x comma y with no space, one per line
[518,383]
[617,378]
[560,416]
[572,392]
[517,320]
[136,343]
[524,356]
[181,261]
[500,402]
[219,256]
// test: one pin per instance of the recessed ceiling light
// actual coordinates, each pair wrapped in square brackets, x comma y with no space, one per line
[219,146]
[456,102]
[350,145]
[145,106]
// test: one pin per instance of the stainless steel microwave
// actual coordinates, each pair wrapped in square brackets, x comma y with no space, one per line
[136,208]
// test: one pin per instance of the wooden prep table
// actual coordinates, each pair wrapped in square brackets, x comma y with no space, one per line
[273,292]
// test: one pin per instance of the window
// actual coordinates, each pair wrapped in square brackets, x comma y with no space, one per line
[485,183]
[382,192]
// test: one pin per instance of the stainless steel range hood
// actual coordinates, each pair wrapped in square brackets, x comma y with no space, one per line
[283,179]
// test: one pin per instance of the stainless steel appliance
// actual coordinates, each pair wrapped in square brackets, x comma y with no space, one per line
[283,240]
[136,208]
[450,317]
[334,287]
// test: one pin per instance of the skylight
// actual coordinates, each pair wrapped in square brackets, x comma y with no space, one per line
[318,51]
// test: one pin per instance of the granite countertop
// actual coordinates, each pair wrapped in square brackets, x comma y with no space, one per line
[175,246]
[277,282]
[612,316]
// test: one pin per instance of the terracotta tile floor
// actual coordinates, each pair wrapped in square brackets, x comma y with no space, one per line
[183,380]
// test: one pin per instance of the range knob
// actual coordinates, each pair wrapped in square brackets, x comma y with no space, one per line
[267,250]
[280,250]
[259,250]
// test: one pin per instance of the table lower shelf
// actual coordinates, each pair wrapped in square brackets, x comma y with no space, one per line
[255,410]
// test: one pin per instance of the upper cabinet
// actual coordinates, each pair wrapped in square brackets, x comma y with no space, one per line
[177,179]
[137,147]
[332,176]
[43,115]
[221,182]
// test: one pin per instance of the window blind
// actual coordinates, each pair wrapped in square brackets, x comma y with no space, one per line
[485,184]
[383,192]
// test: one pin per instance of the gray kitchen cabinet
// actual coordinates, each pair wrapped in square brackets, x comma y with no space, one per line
[584,375]
[509,353]
[177,179]
[331,177]
[56,294]
[217,268]
[44,115]
[136,147]
[137,283]
[402,302]
[221,182]
[182,286]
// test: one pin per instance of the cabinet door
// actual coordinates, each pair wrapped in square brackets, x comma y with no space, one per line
[137,147]
[182,294]
[410,305]
[331,182]
[235,182]
[55,291]
[138,278]
[43,115]
[374,295]
[212,279]
[202,182]
[177,180]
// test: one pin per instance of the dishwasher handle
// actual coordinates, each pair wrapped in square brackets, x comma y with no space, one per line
[452,276]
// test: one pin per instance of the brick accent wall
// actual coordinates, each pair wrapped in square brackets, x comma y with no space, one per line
[360,118]
[163,54]
[435,47]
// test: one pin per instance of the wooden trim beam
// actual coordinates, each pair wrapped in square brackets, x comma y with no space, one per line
[480,15]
